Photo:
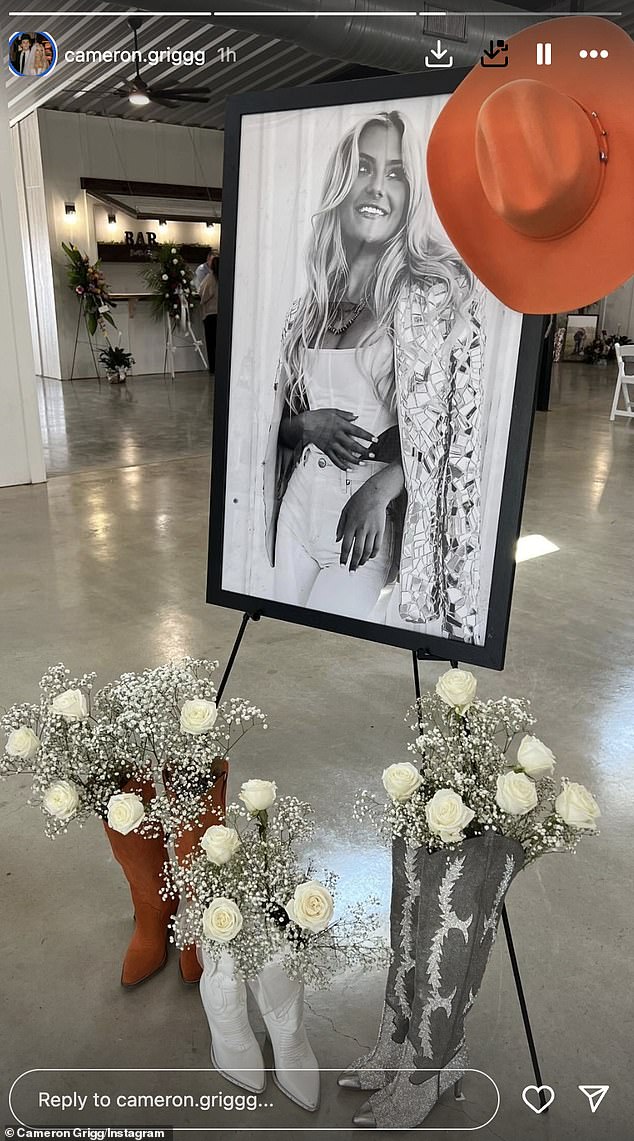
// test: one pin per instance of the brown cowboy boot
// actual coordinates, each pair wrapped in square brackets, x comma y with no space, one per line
[142,860]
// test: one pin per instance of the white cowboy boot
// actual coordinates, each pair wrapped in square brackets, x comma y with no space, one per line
[281,1002]
[234,1049]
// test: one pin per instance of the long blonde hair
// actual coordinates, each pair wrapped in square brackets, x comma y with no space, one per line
[413,255]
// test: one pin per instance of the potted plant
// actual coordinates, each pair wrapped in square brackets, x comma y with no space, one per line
[117,362]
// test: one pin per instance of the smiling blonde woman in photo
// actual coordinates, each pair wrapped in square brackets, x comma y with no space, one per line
[371,475]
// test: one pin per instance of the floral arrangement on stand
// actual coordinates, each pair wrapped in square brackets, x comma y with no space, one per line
[89,283]
[250,895]
[472,775]
[171,281]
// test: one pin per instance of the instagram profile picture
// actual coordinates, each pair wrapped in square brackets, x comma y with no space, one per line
[32,54]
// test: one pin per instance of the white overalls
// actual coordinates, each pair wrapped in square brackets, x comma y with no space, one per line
[307,567]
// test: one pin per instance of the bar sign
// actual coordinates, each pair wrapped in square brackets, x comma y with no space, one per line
[544,55]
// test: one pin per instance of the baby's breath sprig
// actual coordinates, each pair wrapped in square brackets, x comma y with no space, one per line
[470,773]
[261,878]
[82,748]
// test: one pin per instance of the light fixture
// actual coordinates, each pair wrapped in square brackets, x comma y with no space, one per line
[138,97]
[71,211]
[209,225]
[162,223]
[112,219]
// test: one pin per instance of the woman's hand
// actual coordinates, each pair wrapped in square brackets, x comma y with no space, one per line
[335,433]
[362,522]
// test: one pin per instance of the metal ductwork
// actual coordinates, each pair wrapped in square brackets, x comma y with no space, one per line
[394,43]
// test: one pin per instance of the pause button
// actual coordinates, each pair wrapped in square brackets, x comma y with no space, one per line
[544,55]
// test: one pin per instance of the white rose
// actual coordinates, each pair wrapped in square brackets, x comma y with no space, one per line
[311,907]
[222,920]
[220,843]
[198,716]
[400,781]
[71,704]
[516,793]
[23,743]
[577,807]
[258,795]
[447,815]
[61,799]
[535,757]
[457,688]
[125,812]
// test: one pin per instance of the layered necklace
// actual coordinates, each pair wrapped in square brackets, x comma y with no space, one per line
[337,330]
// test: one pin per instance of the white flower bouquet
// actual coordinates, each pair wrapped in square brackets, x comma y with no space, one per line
[140,754]
[75,759]
[248,894]
[170,719]
[472,774]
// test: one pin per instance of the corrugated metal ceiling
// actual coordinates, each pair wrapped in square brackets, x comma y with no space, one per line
[261,62]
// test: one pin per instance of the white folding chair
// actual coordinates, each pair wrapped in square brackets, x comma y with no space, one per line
[624,356]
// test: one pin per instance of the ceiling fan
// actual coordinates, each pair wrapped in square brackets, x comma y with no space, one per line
[140,93]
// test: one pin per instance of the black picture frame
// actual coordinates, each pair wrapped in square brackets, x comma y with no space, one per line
[491,653]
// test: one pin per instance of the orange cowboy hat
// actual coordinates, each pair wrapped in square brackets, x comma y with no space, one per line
[532,169]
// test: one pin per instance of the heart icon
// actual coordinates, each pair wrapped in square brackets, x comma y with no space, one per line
[549,1097]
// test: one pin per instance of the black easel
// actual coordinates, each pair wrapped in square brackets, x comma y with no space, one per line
[416,656]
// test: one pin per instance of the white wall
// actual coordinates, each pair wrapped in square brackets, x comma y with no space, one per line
[618,310]
[21,458]
[73,146]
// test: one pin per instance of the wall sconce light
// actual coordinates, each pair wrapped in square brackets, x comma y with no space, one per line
[71,211]
[209,225]
[162,222]
[112,219]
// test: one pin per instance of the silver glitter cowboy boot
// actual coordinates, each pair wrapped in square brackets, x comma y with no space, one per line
[376,1069]
[461,895]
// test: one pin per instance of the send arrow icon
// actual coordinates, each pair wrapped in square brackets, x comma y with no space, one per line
[594,1094]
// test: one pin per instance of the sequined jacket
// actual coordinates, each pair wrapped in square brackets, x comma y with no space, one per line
[438,394]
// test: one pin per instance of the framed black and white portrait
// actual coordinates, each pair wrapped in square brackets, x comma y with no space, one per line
[373,401]
[580,334]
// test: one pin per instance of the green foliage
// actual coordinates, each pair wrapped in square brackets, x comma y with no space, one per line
[115,357]
[170,280]
[89,284]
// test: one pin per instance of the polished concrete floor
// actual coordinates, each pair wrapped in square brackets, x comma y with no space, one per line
[91,423]
[104,568]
